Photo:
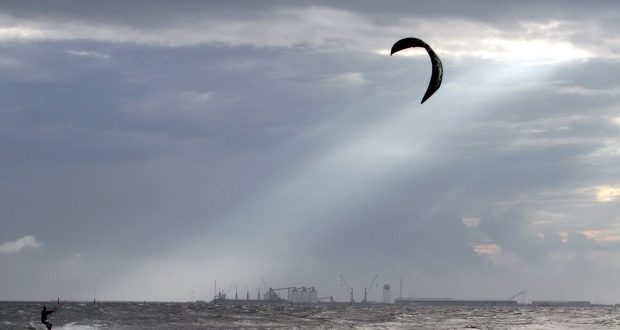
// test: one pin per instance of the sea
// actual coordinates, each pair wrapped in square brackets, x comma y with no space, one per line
[162,315]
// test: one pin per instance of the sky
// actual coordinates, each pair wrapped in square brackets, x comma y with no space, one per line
[149,148]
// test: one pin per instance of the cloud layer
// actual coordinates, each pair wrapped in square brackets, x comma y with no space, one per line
[26,242]
[229,141]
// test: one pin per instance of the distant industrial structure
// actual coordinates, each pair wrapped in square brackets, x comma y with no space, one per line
[561,303]
[309,295]
[453,302]
[304,296]
[386,294]
[458,302]
[294,295]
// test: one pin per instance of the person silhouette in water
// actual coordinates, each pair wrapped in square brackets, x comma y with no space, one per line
[44,314]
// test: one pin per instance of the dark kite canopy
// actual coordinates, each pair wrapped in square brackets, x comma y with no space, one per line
[437,74]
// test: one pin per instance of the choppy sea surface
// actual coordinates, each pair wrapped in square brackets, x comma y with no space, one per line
[135,315]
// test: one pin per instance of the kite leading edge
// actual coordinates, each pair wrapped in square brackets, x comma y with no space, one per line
[437,74]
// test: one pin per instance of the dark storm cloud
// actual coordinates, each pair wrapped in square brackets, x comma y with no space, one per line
[350,25]
[156,13]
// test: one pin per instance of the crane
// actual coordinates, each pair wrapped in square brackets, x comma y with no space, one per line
[269,291]
[288,291]
[367,291]
[264,283]
[516,295]
[349,290]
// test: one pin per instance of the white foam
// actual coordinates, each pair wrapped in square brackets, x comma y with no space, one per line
[32,326]
[73,326]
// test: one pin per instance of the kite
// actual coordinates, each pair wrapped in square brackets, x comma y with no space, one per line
[437,74]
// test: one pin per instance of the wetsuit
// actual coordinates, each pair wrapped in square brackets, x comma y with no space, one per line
[44,315]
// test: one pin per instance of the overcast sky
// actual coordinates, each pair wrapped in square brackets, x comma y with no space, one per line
[149,148]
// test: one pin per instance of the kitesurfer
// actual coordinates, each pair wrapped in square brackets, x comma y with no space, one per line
[44,314]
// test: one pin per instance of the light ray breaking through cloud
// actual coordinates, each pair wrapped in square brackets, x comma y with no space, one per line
[232,140]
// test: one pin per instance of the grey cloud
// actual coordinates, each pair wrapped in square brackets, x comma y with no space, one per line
[226,156]
[153,13]
[350,25]
[26,242]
